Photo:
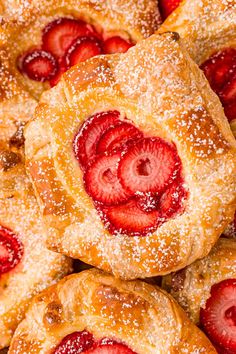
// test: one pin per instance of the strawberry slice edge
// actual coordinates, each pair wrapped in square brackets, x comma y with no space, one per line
[11,250]
[218,318]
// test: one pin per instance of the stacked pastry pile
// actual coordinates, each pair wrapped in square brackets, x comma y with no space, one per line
[117,150]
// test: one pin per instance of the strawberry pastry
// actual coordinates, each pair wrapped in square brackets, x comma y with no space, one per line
[106,316]
[208,28]
[207,291]
[134,144]
[26,265]
[53,37]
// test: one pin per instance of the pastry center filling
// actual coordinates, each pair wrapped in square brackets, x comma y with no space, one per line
[67,42]
[220,70]
[218,318]
[135,181]
[84,342]
[11,250]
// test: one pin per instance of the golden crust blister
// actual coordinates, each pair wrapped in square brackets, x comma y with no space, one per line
[24,22]
[206,26]
[159,87]
[191,286]
[142,316]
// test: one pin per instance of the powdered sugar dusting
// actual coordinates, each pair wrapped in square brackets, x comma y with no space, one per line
[110,309]
[165,94]
[198,278]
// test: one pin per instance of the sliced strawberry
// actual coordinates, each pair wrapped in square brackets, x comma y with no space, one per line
[86,140]
[102,183]
[230,111]
[116,45]
[39,65]
[116,137]
[148,202]
[62,69]
[219,316]
[219,68]
[59,35]
[228,93]
[171,201]
[11,250]
[82,49]
[167,7]
[77,342]
[129,219]
[114,348]
[148,166]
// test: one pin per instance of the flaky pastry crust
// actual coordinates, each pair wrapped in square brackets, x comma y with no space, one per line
[19,212]
[39,267]
[206,26]
[191,286]
[158,87]
[142,316]
[24,21]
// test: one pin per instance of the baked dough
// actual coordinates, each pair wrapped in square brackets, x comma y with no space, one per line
[157,86]
[138,314]
[207,27]
[24,21]
[38,267]
[191,286]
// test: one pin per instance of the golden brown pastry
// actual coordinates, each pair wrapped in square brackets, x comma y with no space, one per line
[26,266]
[143,209]
[93,312]
[210,285]
[52,36]
[208,28]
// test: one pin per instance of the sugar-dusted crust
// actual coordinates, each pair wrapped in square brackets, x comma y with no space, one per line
[207,26]
[145,318]
[24,21]
[19,212]
[191,286]
[16,105]
[39,267]
[158,86]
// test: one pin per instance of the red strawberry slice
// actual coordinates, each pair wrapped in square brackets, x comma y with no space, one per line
[116,45]
[171,201]
[11,250]
[219,68]
[228,93]
[102,183]
[129,219]
[114,348]
[39,65]
[167,7]
[230,111]
[148,166]
[77,342]
[82,49]
[86,140]
[117,137]
[59,35]
[61,71]
[219,316]
[148,202]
